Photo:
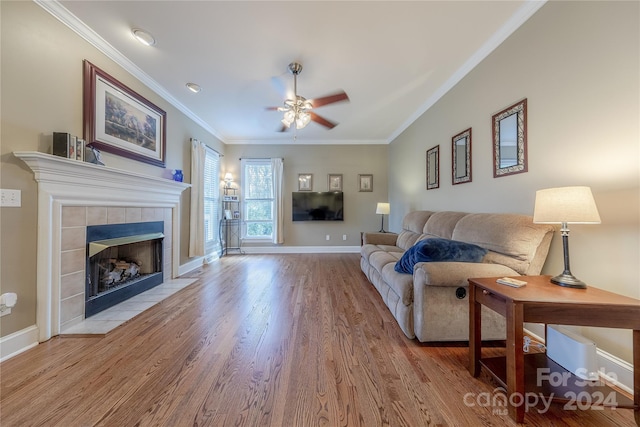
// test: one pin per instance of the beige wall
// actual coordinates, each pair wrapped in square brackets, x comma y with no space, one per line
[577,63]
[42,93]
[321,160]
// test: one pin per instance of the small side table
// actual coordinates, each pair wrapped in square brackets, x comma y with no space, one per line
[541,301]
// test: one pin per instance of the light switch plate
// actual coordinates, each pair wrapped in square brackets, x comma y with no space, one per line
[10,198]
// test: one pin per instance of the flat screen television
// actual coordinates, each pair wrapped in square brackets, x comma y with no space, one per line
[317,206]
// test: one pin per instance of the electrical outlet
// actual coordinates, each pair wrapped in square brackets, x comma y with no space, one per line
[10,198]
[328,237]
[344,237]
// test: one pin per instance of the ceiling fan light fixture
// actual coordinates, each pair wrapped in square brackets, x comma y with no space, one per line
[143,37]
[302,120]
[289,118]
[193,87]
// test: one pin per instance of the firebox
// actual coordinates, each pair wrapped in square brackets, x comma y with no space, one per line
[123,260]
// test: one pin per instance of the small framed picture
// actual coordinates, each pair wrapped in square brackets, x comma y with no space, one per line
[227,214]
[305,182]
[365,182]
[236,214]
[80,146]
[71,150]
[335,182]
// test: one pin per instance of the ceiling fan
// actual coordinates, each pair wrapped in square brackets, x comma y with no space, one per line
[298,111]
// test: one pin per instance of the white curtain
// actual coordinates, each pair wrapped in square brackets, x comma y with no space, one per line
[278,205]
[196,226]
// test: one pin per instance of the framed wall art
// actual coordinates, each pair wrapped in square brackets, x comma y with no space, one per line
[510,140]
[305,182]
[120,121]
[433,168]
[365,182]
[334,182]
[461,157]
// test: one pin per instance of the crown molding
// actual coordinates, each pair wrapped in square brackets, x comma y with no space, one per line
[70,20]
[517,19]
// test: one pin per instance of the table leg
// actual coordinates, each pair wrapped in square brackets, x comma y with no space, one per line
[515,362]
[636,375]
[475,332]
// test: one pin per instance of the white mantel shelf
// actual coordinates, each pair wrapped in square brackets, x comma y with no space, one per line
[64,182]
[89,182]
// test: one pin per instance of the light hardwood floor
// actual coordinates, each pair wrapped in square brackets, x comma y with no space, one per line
[261,340]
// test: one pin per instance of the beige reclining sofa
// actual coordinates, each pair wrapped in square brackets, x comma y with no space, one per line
[432,304]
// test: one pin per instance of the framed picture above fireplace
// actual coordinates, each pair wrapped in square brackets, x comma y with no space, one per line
[120,121]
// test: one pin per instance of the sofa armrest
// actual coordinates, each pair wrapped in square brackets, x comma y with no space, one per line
[388,239]
[456,273]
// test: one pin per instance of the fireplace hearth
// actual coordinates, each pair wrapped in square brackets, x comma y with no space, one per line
[123,260]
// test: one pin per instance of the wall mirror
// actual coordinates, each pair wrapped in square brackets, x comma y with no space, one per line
[461,157]
[433,168]
[510,140]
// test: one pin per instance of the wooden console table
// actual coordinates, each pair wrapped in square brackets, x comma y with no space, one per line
[541,301]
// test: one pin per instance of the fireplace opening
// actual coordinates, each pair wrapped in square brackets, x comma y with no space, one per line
[123,260]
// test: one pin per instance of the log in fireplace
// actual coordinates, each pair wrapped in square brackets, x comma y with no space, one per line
[123,260]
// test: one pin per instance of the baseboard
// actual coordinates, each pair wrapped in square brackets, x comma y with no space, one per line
[18,342]
[612,368]
[300,249]
[194,264]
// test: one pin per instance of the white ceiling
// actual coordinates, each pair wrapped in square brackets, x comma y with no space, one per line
[393,58]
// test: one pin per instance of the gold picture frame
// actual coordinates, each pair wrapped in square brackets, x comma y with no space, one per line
[334,182]
[305,182]
[365,183]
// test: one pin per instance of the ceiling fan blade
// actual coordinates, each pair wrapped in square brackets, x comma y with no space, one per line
[322,121]
[329,99]
[283,128]
[271,108]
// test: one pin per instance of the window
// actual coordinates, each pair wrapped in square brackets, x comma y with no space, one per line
[211,201]
[258,199]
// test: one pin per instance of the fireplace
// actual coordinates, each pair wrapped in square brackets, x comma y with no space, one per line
[75,195]
[123,260]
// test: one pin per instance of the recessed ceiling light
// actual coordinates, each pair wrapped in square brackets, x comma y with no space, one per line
[193,87]
[143,37]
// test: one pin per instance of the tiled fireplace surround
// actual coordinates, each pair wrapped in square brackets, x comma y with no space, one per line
[73,195]
[75,220]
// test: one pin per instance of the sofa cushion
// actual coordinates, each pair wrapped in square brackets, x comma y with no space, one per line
[437,249]
[442,224]
[512,239]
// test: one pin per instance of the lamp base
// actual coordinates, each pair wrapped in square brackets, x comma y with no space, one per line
[569,281]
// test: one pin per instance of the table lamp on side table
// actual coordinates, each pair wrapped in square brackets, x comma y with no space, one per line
[566,205]
[383,209]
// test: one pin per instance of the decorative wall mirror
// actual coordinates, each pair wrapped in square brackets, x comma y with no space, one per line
[461,157]
[510,140]
[433,168]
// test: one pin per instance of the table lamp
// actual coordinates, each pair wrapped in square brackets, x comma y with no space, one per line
[382,209]
[566,205]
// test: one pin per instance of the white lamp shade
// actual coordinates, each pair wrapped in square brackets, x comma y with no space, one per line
[565,204]
[228,177]
[383,208]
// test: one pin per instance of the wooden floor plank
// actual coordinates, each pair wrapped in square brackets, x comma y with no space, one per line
[261,340]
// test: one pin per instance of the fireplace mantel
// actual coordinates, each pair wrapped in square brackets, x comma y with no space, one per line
[64,182]
[74,179]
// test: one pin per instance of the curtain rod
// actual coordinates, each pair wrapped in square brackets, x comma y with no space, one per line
[206,146]
[259,158]
[214,150]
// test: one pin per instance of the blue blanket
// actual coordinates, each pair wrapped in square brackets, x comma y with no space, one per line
[436,249]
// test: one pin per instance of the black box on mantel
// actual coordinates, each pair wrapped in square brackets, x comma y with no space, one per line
[64,145]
